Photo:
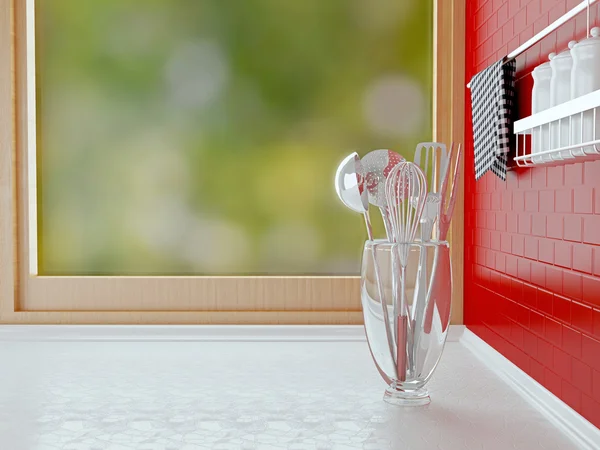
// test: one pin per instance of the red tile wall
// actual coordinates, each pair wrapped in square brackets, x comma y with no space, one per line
[532,243]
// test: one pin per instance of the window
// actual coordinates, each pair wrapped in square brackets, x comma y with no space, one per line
[174,159]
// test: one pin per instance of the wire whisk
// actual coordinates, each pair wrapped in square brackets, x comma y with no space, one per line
[406,190]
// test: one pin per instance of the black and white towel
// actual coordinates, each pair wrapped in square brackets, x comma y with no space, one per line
[492,105]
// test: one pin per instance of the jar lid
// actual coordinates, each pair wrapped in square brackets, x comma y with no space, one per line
[594,40]
[567,53]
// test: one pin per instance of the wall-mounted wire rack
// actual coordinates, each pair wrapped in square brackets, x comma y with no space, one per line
[568,132]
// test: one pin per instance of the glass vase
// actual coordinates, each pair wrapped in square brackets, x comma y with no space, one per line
[407,313]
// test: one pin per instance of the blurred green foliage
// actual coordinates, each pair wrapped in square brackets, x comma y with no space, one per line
[201,136]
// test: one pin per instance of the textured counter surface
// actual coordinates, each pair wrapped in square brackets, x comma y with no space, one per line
[248,395]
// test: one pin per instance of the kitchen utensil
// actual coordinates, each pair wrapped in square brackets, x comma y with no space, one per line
[377,166]
[350,188]
[432,157]
[350,185]
[585,78]
[437,300]
[448,198]
[406,190]
[540,100]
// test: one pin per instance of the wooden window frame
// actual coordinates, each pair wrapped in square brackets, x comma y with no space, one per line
[26,297]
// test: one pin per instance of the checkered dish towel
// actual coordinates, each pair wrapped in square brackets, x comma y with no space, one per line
[492,104]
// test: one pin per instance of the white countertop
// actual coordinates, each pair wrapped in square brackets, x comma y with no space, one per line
[249,395]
